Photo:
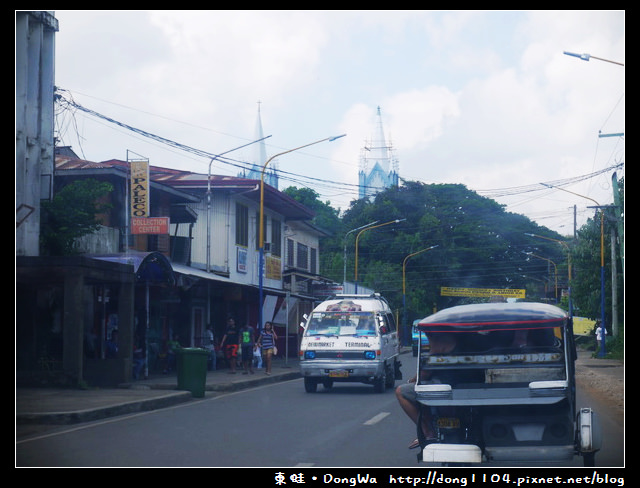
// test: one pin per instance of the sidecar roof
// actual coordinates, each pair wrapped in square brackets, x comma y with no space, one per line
[494,316]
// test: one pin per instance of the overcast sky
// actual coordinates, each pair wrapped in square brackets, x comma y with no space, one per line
[482,98]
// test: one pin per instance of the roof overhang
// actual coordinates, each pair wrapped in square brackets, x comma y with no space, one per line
[149,267]
[200,274]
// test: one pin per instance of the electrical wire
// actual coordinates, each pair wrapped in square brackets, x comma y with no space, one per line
[67,103]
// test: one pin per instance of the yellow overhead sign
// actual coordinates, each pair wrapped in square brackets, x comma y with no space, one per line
[583,325]
[481,292]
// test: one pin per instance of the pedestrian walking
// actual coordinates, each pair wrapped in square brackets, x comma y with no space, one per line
[267,342]
[229,344]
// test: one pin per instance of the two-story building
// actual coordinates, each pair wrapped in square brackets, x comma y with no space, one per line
[200,269]
[224,253]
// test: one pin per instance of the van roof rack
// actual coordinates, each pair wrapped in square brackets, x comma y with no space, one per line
[356,295]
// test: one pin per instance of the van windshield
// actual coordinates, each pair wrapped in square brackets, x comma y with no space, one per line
[342,324]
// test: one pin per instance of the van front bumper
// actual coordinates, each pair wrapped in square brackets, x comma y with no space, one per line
[342,370]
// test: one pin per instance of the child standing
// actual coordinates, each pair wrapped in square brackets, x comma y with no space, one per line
[247,343]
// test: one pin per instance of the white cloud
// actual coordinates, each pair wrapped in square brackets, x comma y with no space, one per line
[483,98]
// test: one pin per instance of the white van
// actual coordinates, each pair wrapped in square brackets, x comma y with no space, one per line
[350,338]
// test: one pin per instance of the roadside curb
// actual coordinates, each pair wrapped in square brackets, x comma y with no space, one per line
[158,401]
[99,413]
[250,383]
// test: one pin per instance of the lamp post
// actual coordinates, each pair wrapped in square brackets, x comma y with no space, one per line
[261,225]
[554,266]
[209,218]
[586,57]
[344,259]
[209,197]
[358,237]
[602,309]
[566,246]
[405,331]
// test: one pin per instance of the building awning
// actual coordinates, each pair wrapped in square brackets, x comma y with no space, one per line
[306,276]
[187,276]
[149,267]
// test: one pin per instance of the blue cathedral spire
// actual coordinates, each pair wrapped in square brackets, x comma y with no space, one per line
[378,166]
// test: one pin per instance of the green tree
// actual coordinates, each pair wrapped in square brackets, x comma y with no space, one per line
[326,216]
[587,265]
[72,213]
[479,244]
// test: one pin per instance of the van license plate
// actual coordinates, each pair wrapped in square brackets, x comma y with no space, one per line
[338,373]
[448,423]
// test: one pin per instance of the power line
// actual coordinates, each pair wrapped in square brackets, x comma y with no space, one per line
[70,104]
[296,178]
[518,190]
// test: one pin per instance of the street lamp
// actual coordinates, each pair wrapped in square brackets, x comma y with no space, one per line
[586,57]
[358,237]
[554,266]
[261,232]
[405,331]
[602,305]
[566,246]
[344,259]
[209,197]
[209,219]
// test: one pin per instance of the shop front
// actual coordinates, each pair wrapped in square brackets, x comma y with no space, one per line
[66,311]
[157,311]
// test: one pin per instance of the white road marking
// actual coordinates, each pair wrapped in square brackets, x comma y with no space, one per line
[377,418]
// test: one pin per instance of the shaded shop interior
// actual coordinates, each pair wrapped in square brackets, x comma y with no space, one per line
[68,307]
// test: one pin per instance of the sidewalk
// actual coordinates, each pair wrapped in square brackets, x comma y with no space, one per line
[70,406]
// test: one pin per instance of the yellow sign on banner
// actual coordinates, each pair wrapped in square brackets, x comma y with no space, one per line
[139,188]
[583,326]
[273,268]
[481,292]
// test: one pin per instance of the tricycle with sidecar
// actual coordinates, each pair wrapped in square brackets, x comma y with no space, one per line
[506,391]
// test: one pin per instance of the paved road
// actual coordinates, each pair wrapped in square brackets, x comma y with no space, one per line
[274,425]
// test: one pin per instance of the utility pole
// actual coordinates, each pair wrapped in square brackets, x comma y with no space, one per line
[614,285]
[617,209]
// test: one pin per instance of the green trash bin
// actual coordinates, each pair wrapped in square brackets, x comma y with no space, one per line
[191,365]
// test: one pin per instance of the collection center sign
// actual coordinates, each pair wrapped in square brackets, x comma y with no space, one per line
[482,292]
[150,225]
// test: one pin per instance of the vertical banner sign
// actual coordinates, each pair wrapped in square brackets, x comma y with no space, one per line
[139,188]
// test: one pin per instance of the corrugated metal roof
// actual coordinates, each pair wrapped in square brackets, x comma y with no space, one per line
[189,181]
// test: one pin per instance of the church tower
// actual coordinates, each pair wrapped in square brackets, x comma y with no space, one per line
[378,165]
[260,157]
